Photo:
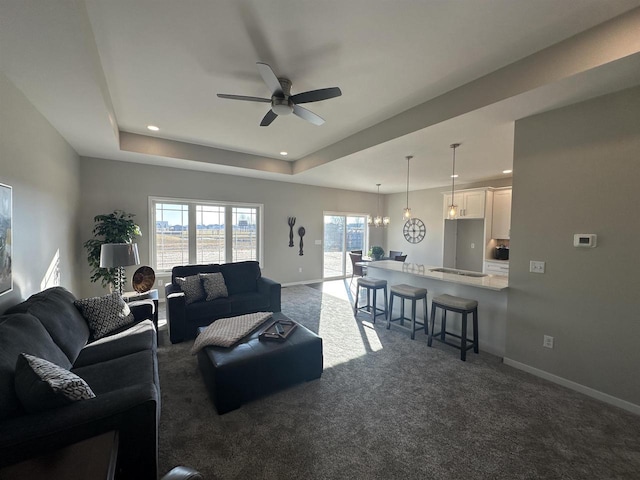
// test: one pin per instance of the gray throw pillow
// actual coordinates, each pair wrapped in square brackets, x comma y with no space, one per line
[192,288]
[105,314]
[214,285]
[42,385]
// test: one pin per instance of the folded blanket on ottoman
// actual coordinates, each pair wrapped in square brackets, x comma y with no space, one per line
[227,331]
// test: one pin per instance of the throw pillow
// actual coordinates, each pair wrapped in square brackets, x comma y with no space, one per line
[214,285]
[105,314]
[227,331]
[192,288]
[42,385]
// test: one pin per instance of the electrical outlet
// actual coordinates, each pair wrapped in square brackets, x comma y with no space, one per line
[536,266]
[300,270]
[160,283]
[547,341]
[473,245]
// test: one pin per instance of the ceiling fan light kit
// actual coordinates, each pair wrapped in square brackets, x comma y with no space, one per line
[282,102]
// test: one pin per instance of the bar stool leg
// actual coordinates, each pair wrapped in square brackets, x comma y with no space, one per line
[355,309]
[433,322]
[475,330]
[413,319]
[375,304]
[402,311]
[390,310]
[368,299]
[443,324]
[463,339]
[386,309]
[426,318]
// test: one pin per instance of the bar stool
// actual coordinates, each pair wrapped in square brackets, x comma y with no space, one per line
[460,305]
[407,292]
[371,284]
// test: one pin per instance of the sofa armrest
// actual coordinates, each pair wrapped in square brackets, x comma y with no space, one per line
[176,312]
[142,309]
[133,411]
[271,289]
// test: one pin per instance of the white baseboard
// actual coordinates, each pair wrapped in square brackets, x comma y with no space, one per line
[303,282]
[598,395]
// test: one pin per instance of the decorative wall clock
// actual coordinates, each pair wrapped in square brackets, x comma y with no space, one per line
[414,230]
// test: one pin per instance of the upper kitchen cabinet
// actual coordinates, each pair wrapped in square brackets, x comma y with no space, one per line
[501,223]
[471,203]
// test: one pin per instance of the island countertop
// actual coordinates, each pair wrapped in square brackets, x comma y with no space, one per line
[490,282]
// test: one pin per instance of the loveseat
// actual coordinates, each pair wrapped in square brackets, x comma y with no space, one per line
[247,291]
[120,368]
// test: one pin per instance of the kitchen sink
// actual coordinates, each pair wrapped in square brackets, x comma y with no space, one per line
[454,271]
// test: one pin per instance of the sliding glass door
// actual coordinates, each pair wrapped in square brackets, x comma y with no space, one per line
[342,234]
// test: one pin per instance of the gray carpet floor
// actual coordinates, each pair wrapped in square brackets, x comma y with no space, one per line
[388,407]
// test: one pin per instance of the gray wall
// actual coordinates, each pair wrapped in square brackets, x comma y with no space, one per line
[576,171]
[108,185]
[469,232]
[44,172]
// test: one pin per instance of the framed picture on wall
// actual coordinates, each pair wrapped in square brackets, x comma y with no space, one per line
[6,277]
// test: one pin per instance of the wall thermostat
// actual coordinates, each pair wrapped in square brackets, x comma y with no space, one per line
[585,240]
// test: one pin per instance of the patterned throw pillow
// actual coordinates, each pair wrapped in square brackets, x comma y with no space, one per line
[214,285]
[192,288]
[105,314]
[41,385]
[227,331]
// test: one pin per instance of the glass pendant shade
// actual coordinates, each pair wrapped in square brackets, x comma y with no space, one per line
[407,211]
[453,208]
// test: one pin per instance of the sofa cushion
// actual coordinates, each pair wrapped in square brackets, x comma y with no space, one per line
[55,309]
[189,270]
[105,314]
[42,385]
[214,286]
[192,288]
[117,373]
[22,333]
[241,277]
[139,337]
[248,302]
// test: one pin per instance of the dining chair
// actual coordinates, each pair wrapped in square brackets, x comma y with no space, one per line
[356,270]
[400,258]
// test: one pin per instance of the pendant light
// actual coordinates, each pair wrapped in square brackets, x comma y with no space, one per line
[378,220]
[407,211]
[453,208]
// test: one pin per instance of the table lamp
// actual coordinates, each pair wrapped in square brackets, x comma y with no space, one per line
[119,255]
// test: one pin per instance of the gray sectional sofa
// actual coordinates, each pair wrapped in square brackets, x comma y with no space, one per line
[248,292]
[121,369]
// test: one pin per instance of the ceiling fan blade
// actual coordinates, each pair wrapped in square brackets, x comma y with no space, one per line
[268,118]
[316,95]
[246,99]
[308,115]
[270,78]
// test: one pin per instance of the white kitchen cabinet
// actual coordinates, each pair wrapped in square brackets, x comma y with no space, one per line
[470,203]
[498,267]
[501,222]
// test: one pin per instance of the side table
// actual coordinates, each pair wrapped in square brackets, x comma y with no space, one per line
[152,294]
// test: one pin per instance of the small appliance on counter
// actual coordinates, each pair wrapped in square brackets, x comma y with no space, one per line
[501,252]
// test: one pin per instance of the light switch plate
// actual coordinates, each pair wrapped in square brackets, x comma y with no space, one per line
[536,266]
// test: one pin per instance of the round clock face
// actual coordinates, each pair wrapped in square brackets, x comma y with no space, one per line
[414,230]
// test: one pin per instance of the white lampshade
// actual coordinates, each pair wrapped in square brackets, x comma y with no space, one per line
[118,255]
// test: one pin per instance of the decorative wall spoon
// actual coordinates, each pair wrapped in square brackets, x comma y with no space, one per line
[301,232]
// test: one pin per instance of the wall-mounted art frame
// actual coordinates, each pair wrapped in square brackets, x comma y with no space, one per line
[6,218]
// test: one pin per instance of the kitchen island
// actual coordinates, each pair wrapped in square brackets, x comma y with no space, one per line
[489,290]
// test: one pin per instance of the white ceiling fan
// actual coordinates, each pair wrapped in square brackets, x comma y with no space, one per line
[282,102]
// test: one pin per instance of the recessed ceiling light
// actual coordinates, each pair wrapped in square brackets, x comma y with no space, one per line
[284,154]
[507,171]
[153,128]
[454,176]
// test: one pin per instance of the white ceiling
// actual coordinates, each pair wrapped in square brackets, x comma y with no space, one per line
[98,67]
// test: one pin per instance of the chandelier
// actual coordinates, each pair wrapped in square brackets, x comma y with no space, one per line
[453,208]
[378,220]
[407,211]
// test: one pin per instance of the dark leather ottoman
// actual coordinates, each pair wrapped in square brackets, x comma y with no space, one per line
[253,368]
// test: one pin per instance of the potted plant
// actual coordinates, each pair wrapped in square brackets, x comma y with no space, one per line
[376,252]
[116,227]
